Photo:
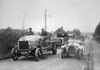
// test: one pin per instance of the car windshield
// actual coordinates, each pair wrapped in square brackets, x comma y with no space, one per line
[74,40]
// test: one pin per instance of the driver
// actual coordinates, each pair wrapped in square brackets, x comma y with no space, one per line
[43,32]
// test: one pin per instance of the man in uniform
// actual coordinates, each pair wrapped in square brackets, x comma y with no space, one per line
[44,32]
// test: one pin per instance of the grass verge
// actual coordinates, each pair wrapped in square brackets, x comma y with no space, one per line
[5,56]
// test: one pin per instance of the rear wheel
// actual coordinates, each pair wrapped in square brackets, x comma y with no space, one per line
[67,54]
[37,54]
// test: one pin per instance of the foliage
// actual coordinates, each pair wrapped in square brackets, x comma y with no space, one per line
[9,37]
[97,30]
[77,32]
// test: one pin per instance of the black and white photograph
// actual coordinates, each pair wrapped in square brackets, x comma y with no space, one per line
[49,34]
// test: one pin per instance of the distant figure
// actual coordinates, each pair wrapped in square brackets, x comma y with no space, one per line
[44,32]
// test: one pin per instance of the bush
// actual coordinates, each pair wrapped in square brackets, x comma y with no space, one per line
[97,39]
[97,30]
[8,38]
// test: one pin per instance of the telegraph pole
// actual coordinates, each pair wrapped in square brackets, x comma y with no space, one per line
[23,23]
[23,20]
[45,19]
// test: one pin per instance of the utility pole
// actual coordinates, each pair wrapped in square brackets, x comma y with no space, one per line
[45,19]
[23,20]
[23,23]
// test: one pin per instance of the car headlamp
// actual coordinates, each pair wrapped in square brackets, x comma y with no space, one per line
[62,46]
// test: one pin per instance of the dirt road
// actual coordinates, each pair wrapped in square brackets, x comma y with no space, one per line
[51,62]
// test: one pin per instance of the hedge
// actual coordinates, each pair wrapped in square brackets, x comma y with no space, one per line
[8,38]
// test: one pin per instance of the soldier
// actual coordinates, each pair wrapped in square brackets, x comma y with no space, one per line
[30,32]
[44,32]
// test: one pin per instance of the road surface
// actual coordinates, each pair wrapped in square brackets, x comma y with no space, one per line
[51,62]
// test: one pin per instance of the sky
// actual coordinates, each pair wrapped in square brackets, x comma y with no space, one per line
[69,14]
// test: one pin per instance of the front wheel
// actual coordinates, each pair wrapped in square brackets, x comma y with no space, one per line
[63,53]
[79,54]
[15,57]
[37,54]
[14,54]
[54,50]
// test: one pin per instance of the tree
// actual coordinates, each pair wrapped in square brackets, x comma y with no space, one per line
[97,30]
[77,33]
[8,38]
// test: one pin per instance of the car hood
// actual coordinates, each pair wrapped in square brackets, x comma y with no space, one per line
[31,38]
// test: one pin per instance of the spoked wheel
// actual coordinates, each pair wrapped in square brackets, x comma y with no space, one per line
[63,53]
[14,54]
[15,57]
[54,50]
[79,54]
[67,54]
[37,54]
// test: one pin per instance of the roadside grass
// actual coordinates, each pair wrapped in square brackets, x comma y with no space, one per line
[97,39]
[97,56]
[90,61]
[3,54]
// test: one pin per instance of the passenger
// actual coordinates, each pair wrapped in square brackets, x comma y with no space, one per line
[44,32]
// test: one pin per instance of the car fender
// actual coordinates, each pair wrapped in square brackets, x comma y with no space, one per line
[37,51]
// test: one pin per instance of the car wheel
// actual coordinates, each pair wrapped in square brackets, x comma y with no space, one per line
[14,54]
[79,54]
[67,54]
[15,57]
[54,50]
[63,53]
[37,54]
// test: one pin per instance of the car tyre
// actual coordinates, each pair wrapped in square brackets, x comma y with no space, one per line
[63,53]
[79,54]
[37,54]
[15,57]
[67,54]
[14,54]
[54,50]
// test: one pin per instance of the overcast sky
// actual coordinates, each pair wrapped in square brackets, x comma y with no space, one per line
[79,14]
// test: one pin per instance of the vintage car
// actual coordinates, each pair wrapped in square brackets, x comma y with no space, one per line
[62,37]
[74,47]
[33,45]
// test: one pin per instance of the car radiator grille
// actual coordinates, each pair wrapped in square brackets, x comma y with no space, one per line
[71,49]
[23,45]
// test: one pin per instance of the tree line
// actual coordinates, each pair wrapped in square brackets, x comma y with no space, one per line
[96,33]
